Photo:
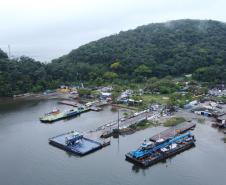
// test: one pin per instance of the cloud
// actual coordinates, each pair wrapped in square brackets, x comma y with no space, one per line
[47,29]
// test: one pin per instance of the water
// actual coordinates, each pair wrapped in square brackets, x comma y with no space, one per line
[26,157]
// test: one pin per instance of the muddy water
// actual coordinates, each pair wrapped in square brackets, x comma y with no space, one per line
[26,158]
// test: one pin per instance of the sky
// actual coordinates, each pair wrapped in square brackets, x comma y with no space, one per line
[48,29]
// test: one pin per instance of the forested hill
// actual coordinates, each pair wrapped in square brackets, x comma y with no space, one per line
[155,50]
[172,48]
[22,75]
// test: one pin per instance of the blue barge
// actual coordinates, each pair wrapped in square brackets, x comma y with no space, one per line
[150,153]
[76,143]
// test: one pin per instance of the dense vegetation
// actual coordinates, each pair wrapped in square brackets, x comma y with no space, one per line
[22,75]
[173,48]
[156,50]
[174,121]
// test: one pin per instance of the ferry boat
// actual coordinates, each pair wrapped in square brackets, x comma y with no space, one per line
[56,115]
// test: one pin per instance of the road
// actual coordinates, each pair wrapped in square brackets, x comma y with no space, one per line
[125,123]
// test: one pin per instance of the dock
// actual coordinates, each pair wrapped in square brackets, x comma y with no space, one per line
[122,123]
[96,139]
[79,144]
[93,106]
[173,131]
[101,103]
[70,103]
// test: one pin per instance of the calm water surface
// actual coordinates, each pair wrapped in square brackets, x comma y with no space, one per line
[26,158]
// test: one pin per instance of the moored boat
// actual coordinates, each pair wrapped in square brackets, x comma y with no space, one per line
[152,152]
[56,115]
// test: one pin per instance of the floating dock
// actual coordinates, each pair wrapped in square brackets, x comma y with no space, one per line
[150,153]
[77,143]
[173,131]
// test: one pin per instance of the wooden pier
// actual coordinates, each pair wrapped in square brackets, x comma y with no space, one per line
[70,103]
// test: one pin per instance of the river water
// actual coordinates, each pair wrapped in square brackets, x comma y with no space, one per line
[26,158]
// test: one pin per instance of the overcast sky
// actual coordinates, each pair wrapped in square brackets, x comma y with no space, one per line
[47,29]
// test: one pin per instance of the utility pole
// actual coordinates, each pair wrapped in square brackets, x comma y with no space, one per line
[118,119]
[118,129]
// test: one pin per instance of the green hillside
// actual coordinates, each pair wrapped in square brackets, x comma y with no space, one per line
[157,50]
[172,48]
[22,75]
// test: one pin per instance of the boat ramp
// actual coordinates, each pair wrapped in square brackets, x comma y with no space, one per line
[172,131]
[93,106]
[70,103]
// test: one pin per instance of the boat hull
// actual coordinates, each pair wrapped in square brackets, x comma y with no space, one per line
[68,115]
[149,162]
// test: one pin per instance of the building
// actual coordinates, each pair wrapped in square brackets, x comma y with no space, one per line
[105,95]
[221,121]
[202,111]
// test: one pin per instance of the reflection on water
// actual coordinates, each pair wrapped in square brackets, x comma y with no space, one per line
[26,157]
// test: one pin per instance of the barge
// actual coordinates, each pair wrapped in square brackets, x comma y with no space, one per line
[150,153]
[173,131]
[77,143]
[57,115]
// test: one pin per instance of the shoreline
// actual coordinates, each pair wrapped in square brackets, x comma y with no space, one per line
[37,96]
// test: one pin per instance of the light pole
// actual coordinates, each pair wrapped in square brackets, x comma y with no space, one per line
[118,120]
[116,130]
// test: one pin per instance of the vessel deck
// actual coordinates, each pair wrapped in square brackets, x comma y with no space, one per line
[150,160]
[85,146]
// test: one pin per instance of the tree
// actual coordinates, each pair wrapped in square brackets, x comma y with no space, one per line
[143,70]
[156,50]
[84,92]
[210,74]
[116,65]
[110,75]
[3,55]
